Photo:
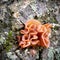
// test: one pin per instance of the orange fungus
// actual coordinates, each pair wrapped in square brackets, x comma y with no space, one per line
[35,34]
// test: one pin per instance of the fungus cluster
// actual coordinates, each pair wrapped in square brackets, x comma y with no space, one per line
[35,34]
